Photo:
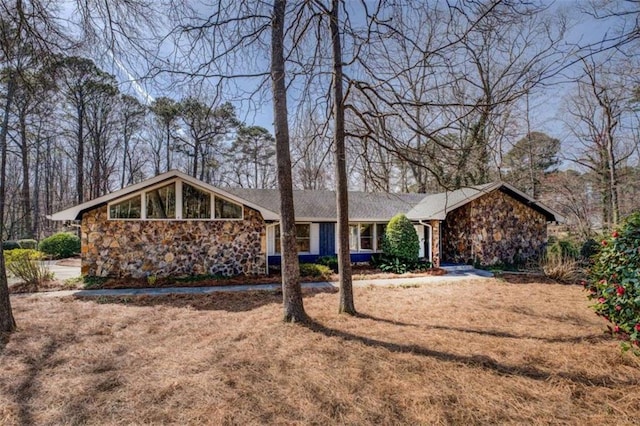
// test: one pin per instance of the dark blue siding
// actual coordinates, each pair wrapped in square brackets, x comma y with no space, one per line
[327,239]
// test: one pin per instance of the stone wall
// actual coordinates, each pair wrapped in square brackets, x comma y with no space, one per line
[140,248]
[495,228]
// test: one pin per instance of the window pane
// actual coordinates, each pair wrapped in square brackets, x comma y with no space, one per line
[127,209]
[303,231]
[227,210]
[303,240]
[380,230]
[196,204]
[161,202]
[353,238]
[366,236]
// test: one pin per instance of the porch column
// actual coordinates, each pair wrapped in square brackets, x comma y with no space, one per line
[435,243]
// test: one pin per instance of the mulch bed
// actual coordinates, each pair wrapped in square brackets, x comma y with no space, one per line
[360,272]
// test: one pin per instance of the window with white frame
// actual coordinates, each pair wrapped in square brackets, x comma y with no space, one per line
[366,236]
[131,208]
[196,203]
[175,200]
[161,202]
[303,238]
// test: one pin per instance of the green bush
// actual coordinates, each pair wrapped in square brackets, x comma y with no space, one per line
[314,270]
[28,244]
[61,245]
[562,249]
[589,249]
[401,239]
[27,265]
[10,245]
[329,261]
[398,265]
[614,282]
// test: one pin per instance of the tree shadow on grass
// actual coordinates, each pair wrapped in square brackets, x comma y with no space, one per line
[590,338]
[475,361]
[242,301]
[27,389]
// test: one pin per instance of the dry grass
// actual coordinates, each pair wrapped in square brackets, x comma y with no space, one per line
[473,352]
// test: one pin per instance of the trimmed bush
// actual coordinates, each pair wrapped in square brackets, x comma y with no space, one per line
[315,270]
[614,282]
[10,245]
[401,239]
[329,261]
[27,265]
[61,245]
[28,244]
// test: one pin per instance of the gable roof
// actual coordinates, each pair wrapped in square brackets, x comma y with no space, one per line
[75,212]
[314,205]
[319,206]
[436,206]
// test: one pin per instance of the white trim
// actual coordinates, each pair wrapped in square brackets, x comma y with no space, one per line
[374,237]
[311,244]
[179,199]
[314,238]
[142,209]
[73,213]
[421,238]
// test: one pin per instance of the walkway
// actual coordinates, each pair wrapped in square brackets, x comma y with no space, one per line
[386,282]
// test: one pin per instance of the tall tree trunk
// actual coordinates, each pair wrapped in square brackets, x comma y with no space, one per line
[125,153]
[168,146]
[26,198]
[7,322]
[291,291]
[342,195]
[80,159]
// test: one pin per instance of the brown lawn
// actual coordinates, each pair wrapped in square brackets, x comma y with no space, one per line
[475,352]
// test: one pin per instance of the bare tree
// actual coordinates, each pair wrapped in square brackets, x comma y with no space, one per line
[598,112]
[291,291]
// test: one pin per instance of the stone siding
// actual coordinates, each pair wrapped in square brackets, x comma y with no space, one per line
[140,248]
[435,243]
[495,228]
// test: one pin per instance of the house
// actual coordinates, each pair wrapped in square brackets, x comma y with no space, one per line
[174,224]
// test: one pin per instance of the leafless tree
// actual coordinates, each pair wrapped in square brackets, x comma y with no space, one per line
[597,114]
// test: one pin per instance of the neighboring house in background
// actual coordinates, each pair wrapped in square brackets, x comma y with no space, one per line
[174,224]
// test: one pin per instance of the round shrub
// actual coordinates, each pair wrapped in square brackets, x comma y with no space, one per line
[401,239]
[61,245]
[614,282]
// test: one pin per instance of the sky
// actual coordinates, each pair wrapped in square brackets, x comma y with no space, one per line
[546,105]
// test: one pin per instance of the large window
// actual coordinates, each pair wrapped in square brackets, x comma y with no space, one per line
[196,204]
[176,200]
[161,202]
[366,236]
[227,210]
[127,209]
[303,238]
